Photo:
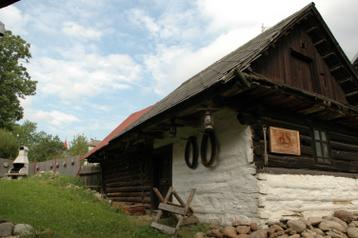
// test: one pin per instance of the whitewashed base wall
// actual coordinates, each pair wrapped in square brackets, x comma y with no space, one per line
[305,195]
[228,191]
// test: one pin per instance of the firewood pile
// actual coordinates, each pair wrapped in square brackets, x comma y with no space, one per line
[343,224]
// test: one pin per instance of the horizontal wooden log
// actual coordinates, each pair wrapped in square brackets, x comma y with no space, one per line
[289,124]
[343,146]
[139,181]
[129,189]
[118,178]
[122,170]
[128,183]
[109,176]
[306,140]
[129,194]
[132,199]
[344,155]
[339,137]
[309,163]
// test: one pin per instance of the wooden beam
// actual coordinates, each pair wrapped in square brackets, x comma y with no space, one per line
[313,28]
[351,94]
[349,79]
[326,56]
[319,42]
[311,110]
[336,68]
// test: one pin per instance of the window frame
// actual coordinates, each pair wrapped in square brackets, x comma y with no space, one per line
[323,153]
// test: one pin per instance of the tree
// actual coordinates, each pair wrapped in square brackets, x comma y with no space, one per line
[15,81]
[79,145]
[42,146]
[46,147]
[26,133]
[8,145]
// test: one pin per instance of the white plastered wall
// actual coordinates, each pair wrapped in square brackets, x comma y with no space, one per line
[292,196]
[227,191]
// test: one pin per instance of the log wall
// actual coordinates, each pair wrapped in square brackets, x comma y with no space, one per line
[128,180]
[342,144]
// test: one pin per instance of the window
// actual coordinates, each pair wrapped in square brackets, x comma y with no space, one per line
[321,146]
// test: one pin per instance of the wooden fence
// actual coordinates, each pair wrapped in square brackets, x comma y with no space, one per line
[91,176]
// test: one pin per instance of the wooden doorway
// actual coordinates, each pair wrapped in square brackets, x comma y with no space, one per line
[162,170]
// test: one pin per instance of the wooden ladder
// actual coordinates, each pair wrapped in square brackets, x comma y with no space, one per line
[181,210]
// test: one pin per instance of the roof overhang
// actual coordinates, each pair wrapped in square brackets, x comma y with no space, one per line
[263,94]
[5,3]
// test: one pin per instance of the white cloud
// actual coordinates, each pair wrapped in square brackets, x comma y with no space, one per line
[171,66]
[84,74]
[81,32]
[54,117]
[231,14]
[140,18]
[176,25]
[14,19]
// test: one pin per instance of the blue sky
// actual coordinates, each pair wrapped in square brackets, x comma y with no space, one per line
[98,61]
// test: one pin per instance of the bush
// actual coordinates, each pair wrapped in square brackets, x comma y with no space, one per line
[8,145]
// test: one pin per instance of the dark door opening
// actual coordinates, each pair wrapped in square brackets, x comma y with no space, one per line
[162,171]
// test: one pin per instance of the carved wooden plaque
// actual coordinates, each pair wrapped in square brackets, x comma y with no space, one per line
[284,141]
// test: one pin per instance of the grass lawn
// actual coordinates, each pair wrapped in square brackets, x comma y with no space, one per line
[53,203]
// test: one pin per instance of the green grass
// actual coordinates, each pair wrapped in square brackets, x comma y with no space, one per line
[53,204]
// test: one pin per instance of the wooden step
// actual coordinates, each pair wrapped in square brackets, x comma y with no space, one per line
[172,208]
[164,228]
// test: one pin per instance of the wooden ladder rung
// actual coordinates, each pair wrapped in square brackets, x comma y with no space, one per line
[166,229]
[172,208]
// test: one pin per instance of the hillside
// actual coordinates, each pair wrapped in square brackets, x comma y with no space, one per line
[57,205]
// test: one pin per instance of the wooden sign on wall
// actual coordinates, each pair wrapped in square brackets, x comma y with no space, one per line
[284,141]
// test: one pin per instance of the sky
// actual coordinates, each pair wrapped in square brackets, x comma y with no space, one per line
[96,62]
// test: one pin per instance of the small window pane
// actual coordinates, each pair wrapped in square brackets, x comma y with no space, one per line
[323,136]
[325,150]
[318,149]
[316,135]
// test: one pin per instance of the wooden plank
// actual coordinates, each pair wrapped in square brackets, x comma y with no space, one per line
[171,208]
[166,229]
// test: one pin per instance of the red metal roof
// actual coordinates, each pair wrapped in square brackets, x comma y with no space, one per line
[120,128]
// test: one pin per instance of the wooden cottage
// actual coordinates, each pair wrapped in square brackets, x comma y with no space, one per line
[269,130]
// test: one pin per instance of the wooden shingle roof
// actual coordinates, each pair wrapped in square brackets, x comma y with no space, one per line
[223,70]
